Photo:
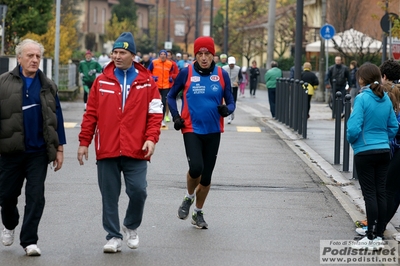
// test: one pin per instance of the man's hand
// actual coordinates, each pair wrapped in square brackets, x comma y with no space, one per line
[58,162]
[82,151]
[179,123]
[223,110]
[148,146]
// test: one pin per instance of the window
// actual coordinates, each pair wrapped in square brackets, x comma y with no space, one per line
[103,20]
[95,15]
[206,29]
[179,28]
[140,20]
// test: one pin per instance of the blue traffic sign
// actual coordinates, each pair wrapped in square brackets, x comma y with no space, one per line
[327,32]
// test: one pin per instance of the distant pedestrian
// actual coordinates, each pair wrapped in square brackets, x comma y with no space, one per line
[245,81]
[354,87]
[308,76]
[270,78]
[207,99]
[124,115]
[32,135]
[337,77]
[103,59]
[162,71]
[254,73]
[222,60]
[87,70]
[235,75]
[371,125]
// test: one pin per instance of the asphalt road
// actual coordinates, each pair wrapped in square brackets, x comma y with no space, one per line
[265,207]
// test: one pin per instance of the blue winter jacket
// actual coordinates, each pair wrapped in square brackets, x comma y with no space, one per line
[372,123]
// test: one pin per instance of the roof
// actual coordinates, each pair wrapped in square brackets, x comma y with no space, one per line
[350,41]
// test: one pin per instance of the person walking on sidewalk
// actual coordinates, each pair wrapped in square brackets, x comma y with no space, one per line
[337,77]
[205,88]
[245,81]
[254,73]
[312,80]
[235,75]
[123,93]
[371,125]
[270,78]
[87,70]
[354,87]
[392,177]
[162,70]
[31,135]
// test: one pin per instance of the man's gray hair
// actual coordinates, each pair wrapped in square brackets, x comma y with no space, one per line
[20,47]
[274,64]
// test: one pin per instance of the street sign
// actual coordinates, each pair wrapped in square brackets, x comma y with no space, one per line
[385,21]
[168,45]
[396,51]
[327,32]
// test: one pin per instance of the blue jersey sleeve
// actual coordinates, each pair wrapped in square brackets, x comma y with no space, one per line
[228,97]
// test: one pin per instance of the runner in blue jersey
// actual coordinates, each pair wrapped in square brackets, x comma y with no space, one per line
[206,100]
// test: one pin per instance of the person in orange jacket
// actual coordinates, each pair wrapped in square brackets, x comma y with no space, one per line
[162,70]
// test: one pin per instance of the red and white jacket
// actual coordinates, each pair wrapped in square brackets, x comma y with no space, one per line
[122,132]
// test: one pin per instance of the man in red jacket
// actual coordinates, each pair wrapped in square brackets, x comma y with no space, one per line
[123,93]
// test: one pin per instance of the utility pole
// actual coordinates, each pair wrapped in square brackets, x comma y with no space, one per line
[57,42]
[384,38]
[169,20]
[271,33]
[299,39]
[322,71]
[226,35]
[3,12]
[156,37]
[211,17]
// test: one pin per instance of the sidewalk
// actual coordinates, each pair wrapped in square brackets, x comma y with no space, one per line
[318,152]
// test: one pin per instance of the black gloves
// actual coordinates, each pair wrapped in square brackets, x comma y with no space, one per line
[178,122]
[223,110]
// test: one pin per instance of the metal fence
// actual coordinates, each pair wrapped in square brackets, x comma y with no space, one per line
[67,77]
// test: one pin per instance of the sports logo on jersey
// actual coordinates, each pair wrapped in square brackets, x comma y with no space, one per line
[214,87]
[195,79]
[214,78]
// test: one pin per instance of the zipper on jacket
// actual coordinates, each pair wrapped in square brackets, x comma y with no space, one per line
[124,91]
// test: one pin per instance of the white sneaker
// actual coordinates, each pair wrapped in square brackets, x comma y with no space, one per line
[366,243]
[362,231]
[229,119]
[233,116]
[132,238]
[163,124]
[113,245]
[7,237]
[32,250]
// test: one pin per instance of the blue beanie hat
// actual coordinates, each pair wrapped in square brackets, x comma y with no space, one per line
[163,51]
[125,41]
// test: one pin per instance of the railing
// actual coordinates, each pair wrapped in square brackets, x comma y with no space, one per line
[292,104]
[67,77]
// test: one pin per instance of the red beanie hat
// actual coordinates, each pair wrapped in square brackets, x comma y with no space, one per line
[204,44]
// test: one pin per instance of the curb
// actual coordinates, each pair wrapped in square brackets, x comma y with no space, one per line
[348,195]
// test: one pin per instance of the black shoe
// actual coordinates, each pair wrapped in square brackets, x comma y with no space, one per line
[198,220]
[183,210]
